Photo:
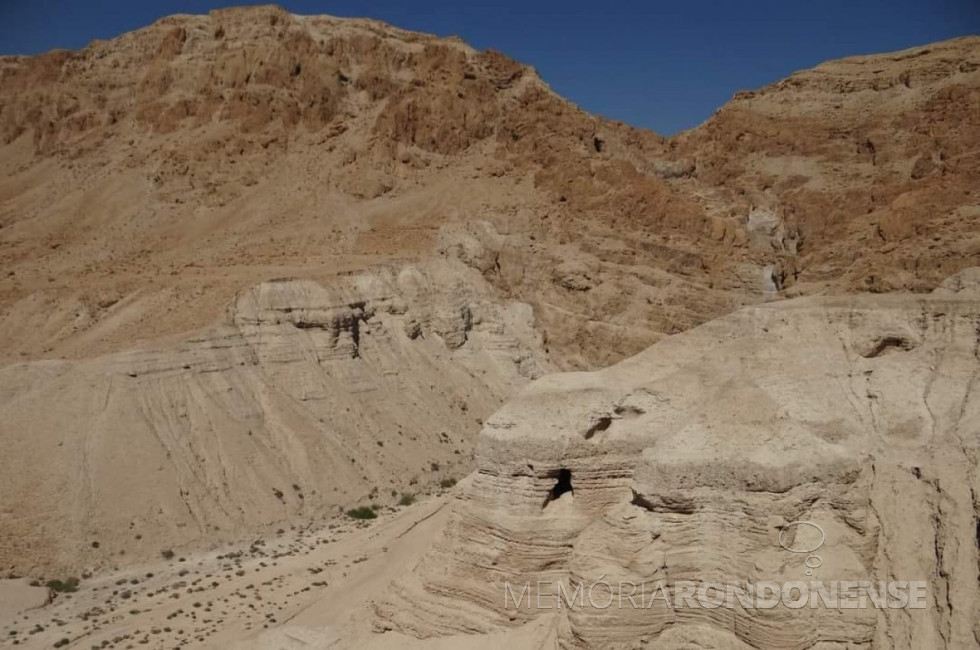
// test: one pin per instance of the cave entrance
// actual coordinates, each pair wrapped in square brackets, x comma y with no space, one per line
[563,484]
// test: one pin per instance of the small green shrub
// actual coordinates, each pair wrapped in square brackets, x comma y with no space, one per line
[447,483]
[364,512]
[62,643]
[167,554]
[67,586]
[407,499]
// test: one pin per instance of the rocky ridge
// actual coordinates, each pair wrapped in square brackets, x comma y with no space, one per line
[181,162]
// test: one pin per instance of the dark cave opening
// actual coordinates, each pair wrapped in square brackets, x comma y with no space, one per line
[562,485]
[888,344]
[601,424]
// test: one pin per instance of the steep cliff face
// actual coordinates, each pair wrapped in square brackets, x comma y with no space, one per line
[689,461]
[177,164]
[861,173]
[187,160]
[305,400]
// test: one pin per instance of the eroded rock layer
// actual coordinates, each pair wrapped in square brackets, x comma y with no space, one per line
[687,461]
[174,165]
[307,398]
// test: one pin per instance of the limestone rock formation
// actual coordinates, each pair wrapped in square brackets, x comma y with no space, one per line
[258,268]
[171,167]
[865,166]
[306,399]
[688,461]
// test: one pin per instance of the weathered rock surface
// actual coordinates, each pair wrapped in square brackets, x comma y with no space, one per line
[451,229]
[865,169]
[307,398]
[686,462]
[168,168]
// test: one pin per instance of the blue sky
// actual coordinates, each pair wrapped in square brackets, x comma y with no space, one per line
[661,65]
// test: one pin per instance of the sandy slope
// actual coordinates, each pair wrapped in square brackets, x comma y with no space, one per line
[304,400]
[310,587]
[307,583]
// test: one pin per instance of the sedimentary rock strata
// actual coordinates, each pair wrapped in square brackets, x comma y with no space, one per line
[306,399]
[688,461]
[166,169]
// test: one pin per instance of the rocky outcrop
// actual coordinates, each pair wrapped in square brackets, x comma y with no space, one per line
[855,160]
[692,460]
[306,399]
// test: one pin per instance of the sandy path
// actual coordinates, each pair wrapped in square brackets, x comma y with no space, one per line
[304,588]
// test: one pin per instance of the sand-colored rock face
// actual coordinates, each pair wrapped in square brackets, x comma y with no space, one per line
[188,160]
[174,166]
[855,160]
[260,267]
[306,399]
[687,461]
